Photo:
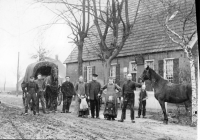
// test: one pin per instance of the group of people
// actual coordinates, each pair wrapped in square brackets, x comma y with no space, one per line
[90,93]
[34,91]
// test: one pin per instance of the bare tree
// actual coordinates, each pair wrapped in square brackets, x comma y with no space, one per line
[77,17]
[186,43]
[41,54]
[113,19]
[183,12]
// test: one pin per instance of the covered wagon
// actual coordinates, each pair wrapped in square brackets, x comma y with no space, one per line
[49,71]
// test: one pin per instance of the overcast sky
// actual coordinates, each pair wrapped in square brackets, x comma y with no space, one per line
[22,30]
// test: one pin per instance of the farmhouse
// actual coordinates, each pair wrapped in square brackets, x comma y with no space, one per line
[147,45]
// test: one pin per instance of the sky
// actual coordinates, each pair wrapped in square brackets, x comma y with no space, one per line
[24,25]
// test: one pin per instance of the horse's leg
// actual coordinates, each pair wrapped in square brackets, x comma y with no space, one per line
[162,104]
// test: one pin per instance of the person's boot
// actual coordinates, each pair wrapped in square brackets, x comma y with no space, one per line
[34,112]
[138,117]
[108,118]
[132,121]
[25,113]
[121,120]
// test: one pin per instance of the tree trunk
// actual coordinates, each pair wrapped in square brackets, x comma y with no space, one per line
[194,92]
[80,60]
[107,64]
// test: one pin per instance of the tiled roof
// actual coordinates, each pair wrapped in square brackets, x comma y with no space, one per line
[147,34]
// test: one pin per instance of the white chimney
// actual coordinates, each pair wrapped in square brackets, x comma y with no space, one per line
[56,57]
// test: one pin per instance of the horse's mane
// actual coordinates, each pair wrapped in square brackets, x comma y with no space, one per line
[156,76]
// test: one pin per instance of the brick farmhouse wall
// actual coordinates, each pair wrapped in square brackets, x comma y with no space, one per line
[71,69]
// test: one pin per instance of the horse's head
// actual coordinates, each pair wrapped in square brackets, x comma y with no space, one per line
[55,74]
[146,75]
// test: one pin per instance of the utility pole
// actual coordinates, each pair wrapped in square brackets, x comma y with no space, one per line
[17,85]
[5,84]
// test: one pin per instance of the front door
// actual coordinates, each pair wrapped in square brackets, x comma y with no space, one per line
[133,77]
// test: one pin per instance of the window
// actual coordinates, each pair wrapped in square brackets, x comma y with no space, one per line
[168,69]
[89,73]
[149,63]
[113,71]
[125,70]
[132,67]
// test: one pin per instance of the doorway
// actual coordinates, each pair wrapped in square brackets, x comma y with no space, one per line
[133,77]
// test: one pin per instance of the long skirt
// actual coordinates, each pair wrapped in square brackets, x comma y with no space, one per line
[82,112]
[110,110]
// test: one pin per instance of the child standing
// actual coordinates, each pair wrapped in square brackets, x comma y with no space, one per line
[142,102]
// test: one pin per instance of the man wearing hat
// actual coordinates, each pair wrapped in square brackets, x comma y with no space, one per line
[68,92]
[142,102]
[94,88]
[128,97]
[32,88]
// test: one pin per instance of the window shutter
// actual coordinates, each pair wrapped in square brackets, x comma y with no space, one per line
[176,71]
[117,81]
[93,69]
[160,68]
[85,74]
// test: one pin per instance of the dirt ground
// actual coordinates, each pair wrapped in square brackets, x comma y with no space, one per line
[14,125]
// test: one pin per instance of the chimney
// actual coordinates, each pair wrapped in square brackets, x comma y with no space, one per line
[56,57]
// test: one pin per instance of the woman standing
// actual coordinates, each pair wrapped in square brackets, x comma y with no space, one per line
[81,91]
[111,106]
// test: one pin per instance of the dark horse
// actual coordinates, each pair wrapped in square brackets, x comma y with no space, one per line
[52,92]
[165,91]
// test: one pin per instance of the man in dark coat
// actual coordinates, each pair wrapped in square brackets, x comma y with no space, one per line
[32,88]
[94,93]
[40,94]
[68,92]
[128,97]
[23,86]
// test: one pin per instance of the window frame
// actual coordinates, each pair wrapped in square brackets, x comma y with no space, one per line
[130,67]
[88,76]
[145,63]
[165,70]
[115,65]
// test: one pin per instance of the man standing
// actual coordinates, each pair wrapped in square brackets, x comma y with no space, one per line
[32,88]
[23,86]
[94,89]
[128,97]
[68,92]
[142,102]
[40,93]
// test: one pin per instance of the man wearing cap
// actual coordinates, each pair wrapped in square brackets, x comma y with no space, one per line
[32,88]
[94,93]
[40,94]
[142,102]
[128,97]
[68,92]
